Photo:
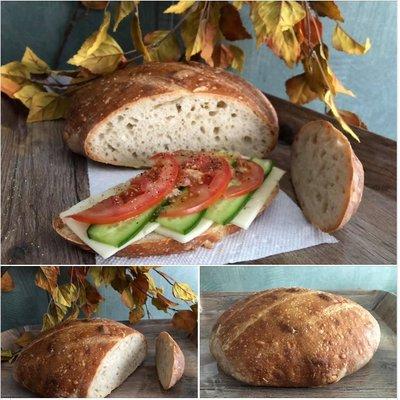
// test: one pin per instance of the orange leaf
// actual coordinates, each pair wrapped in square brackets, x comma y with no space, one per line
[7,283]
[209,34]
[9,87]
[231,24]
[185,320]
[299,91]
[350,118]
[25,339]
[222,56]
[46,278]
[162,303]
[309,31]
[139,289]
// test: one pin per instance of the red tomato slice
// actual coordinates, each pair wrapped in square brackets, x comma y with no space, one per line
[144,192]
[206,177]
[248,176]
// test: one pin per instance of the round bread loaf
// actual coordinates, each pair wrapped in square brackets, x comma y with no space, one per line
[83,358]
[294,337]
[126,117]
[327,176]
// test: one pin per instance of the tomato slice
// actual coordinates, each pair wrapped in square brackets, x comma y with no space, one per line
[248,176]
[206,177]
[145,191]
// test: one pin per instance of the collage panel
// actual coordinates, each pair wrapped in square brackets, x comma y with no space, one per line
[297,332]
[99,332]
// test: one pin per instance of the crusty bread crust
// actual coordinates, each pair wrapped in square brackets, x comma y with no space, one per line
[177,368]
[156,245]
[62,361]
[294,337]
[354,186]
[149,81]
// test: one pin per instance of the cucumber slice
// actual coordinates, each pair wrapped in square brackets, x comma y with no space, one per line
[266,165]
[119,233]
[182,225]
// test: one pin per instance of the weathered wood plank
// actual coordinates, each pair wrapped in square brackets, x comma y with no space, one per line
[40,177]
[143,382]
[376,379]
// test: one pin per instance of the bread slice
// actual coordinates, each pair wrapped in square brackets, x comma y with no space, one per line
[170,361]
[155,244]
[124,118]
[82,358]
[327,176]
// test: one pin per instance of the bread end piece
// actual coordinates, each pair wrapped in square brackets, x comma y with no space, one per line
[327,176]
[170,361]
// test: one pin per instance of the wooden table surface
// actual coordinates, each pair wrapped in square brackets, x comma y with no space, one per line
[142,383]
[376,379]
[41,177]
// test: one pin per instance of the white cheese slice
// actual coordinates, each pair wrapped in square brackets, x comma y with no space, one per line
[80,228]
[253,207]
[201,227]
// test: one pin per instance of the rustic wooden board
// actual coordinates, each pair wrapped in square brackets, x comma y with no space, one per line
[41,177]
[376,379]
[142,383]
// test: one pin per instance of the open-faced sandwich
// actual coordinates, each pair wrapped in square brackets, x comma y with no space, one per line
[184,201]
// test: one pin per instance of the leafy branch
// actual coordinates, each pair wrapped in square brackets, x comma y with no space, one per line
[292,30]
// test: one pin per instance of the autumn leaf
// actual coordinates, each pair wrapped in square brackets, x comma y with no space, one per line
[299,91]
[136,314]
[137,37]
[102,275]
[343,42]
[192,33]
[207,39]
[180,7]
[162,303]
[222,57]
[309,32]
[25,95]
[25,339]
[327,9]
[47,106]
[285,45]
[185,320]
[95,5]
[330,102]
[46,278]
[152,289]
[166,46]
[15,71]
[231,24]
[9,87]
[7,282]
[127,298]
[6,355]
[34,64]
[238,57]
[73,313]
[78,274]
[183,291]
[102,61]
[57,312]
[65,294]
[139,287]
[89,299]
[350,118]
[101,35]
[48,322]
[123,10]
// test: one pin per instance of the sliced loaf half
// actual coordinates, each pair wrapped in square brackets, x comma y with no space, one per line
[170,361]
[125,117]
[327,176]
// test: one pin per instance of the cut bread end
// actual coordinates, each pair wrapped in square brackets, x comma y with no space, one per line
[327,176]
[170,361]
[120,362]
[178,121]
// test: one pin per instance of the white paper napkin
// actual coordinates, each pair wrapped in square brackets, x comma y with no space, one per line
[281,228]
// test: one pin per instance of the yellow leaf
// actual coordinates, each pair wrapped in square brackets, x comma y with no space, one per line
[65,295]
[104,60]
[58,311]
[238,4]
[136,314]
[6,355]
[95,5]
[102,275]
[101,35]
[47,106]
[48,322]
[339,88]
[330,102]
[152,285]
[34,64]
[162,303]
[25,95]
[192,33]
[123,10]
[285,45]
[183,291]
[127,298]
[343,42]
[299,91]
[238,57]
[137,37]
[350,118]
[180,7]
[16,71]
[46,278]
[9,87]
[326,9]
[74,313]
[25,339]
[7,282]
[166,46]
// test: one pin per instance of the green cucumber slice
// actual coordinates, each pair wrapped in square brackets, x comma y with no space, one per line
[182,225]
[266,165]
[119,233]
